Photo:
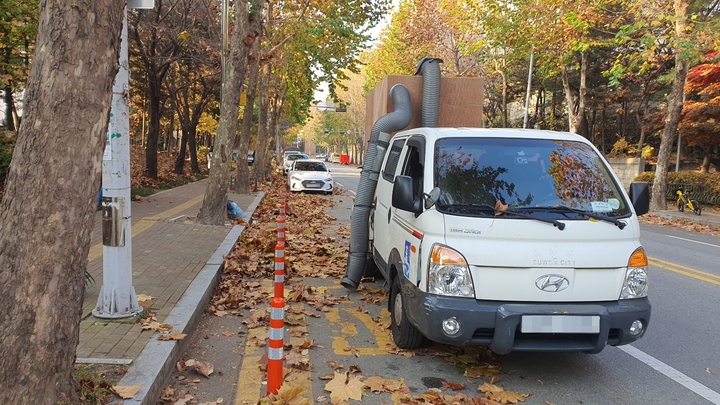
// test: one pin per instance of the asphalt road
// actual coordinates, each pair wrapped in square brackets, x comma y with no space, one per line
[675,363]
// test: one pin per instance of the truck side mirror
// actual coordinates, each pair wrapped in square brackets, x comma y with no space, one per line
[432,197]
[402,195]
[640,197]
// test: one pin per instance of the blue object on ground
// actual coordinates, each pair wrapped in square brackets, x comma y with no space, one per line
[234,211]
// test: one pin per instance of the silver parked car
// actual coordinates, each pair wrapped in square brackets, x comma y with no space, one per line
[310,175]
[290,158]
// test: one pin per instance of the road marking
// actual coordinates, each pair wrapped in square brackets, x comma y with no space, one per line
[686,271]
[251,379]
[144,224]
[695,241]
[252,382]
[341,345]
[673,374]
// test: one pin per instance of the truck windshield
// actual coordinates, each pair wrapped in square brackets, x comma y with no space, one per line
[518,174]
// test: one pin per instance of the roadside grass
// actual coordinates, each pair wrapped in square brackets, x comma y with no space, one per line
[94,382]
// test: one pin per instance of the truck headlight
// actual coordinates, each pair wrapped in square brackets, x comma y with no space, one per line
[449,273]
[635,284]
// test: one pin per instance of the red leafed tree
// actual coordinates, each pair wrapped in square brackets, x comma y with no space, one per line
[700,120]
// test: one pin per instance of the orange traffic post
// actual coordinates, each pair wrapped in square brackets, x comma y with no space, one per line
[281,231]
[275,346]
[279,271]
[282,210]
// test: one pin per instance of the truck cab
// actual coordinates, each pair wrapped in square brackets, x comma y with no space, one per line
[522,240]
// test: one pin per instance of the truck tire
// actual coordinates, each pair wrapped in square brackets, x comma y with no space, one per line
[404,334]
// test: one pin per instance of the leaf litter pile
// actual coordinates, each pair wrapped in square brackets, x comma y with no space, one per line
[680,224]
[317,247]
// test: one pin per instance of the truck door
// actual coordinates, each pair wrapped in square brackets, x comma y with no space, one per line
[405,232]
[384,193]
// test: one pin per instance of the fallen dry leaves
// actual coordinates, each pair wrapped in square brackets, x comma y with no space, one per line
[344,386]
[126,391]
[680,224]
[287,395]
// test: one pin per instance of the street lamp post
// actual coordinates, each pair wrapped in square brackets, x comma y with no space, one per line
[117,298]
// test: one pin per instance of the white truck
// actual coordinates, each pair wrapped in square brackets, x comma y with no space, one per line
[522,240]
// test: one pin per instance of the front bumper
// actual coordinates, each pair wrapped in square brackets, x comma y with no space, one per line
[498,324]
[311,185]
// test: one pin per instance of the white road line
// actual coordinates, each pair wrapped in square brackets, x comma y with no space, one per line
[690,240]
[342,185]
[673,374]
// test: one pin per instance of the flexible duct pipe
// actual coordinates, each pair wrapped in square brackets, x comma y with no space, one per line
[429,68]
[379,141]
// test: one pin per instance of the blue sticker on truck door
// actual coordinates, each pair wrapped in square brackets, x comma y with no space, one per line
[406,260]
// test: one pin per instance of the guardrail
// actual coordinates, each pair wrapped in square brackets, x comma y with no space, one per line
[702,194]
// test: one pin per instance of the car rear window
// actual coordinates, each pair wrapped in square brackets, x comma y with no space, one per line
[297,156]
[310,166]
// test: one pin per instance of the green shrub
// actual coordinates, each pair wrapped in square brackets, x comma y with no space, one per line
[708,181]
[623,148]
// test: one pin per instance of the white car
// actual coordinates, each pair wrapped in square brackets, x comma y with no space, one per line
[310,175]
[289,159]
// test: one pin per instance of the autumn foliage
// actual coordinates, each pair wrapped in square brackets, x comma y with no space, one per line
[701,110]
[166,162]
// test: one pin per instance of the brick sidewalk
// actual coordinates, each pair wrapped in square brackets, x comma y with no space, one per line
[168,253]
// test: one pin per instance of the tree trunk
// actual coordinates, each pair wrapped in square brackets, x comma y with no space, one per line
[9,118]
[245,32]
[47,212]
[151,146]
[675,105]
[192,146]
[263,123]
[180,159]
[705,167]
[243,171]
[504,100]
[577,120]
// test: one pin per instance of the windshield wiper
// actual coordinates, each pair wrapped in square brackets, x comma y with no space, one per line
[553,222]
[589,214]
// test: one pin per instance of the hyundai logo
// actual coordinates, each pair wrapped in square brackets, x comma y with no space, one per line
[552,283]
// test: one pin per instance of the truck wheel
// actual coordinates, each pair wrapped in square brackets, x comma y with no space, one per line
[403,332]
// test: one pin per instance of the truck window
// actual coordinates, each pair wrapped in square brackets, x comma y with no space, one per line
[414,168]
[393,159]
[524,174]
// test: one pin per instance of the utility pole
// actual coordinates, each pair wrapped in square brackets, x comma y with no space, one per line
[527,95]
[117,298]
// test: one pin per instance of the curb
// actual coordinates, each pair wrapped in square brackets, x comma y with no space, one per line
[155,364]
